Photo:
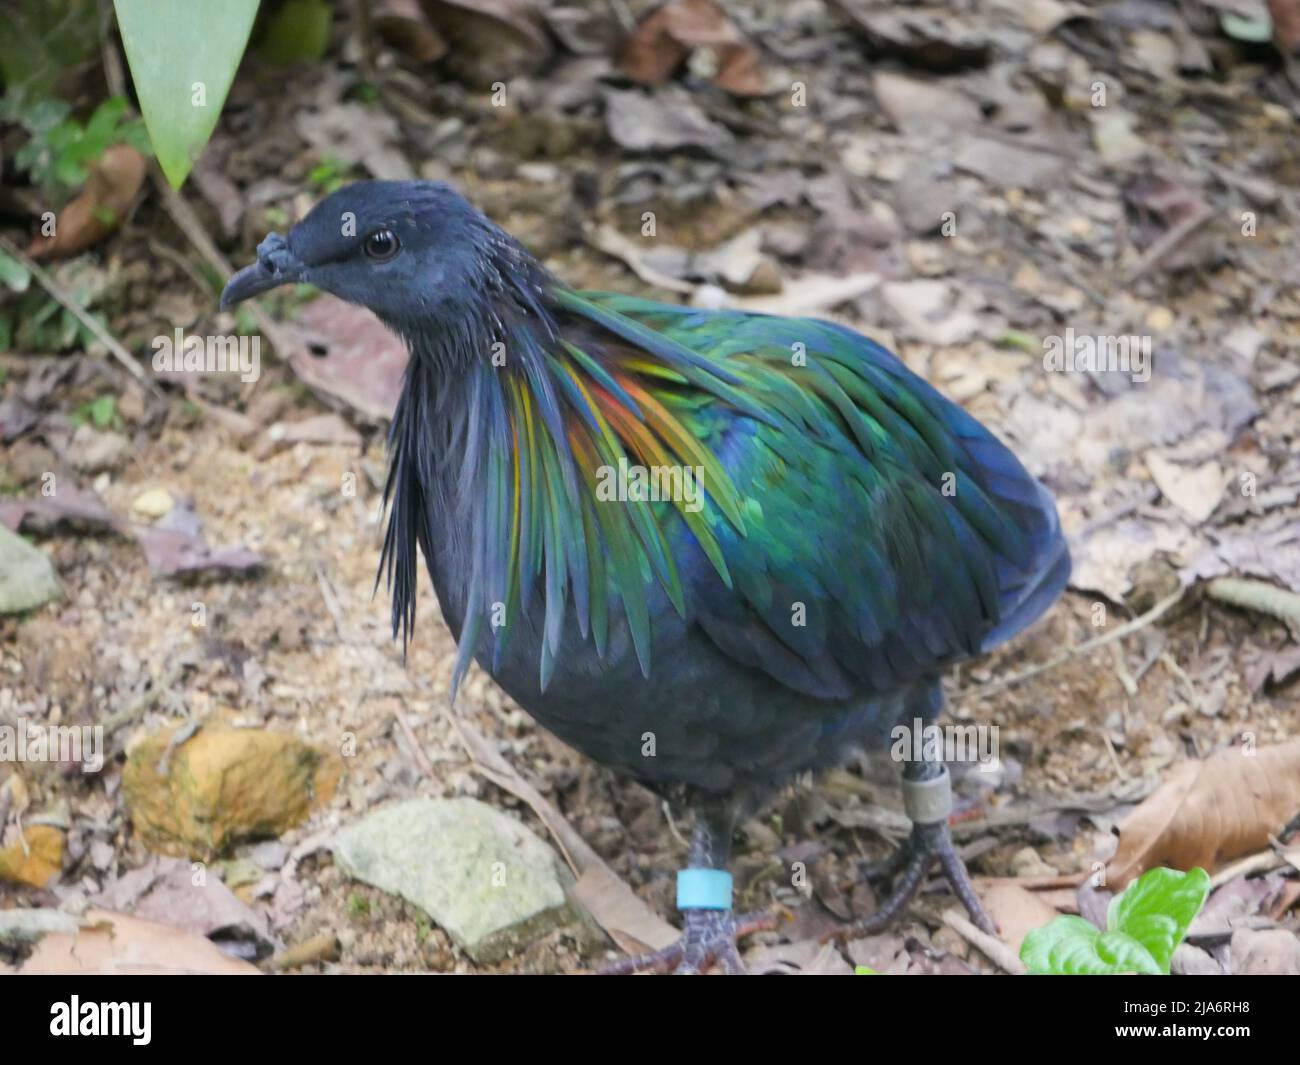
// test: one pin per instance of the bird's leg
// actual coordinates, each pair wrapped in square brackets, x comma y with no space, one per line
[927,797]
[710,929]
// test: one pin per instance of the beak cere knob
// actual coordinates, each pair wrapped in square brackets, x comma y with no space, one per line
[276,265]
[273,254]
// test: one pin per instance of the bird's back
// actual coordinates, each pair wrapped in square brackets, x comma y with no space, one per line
[891,532]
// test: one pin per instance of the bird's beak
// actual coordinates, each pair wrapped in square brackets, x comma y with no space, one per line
[276,265]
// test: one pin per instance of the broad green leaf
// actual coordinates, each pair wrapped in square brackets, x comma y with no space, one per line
[183,56]
[1157,908]
[1071,946]
[1145,924]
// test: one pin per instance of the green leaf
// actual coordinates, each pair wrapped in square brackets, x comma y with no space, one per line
[1157,909]
[101,126]
[103,411]
[1255,30]
[1013,338]
[183,58]
[41,41]
[1145,924]
[13,274]
[1071,946]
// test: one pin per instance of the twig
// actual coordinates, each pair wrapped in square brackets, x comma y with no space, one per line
[1114,758]
[186,267]
[1120,510]
[1050,882]
[417,751]
[113,73]
[323,947]
[1180,674]
[1127,629]
[1259,596]
[990,946]
[188,222]
[84,317]
[366,36]
[1170,240]
[1122,671]
[1263,862]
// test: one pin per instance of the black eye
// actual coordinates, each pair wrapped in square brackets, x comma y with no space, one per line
[381,245]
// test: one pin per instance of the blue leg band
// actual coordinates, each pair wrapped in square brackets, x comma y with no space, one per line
[703,889]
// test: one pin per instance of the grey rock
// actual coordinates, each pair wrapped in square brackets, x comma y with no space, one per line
[486,879]
[27,579]
[93,450]
[27,926]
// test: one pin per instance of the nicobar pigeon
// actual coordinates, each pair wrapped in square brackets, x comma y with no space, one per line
[851,533]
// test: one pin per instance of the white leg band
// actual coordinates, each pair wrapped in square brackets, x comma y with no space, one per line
[927,802]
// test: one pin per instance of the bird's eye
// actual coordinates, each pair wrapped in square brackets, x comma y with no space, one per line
[381,245]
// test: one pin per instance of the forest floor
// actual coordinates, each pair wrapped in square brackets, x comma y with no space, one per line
[957,193]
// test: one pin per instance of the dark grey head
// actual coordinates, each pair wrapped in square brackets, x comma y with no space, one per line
[414,252]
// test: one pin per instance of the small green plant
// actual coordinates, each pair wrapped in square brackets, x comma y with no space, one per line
[423,928]
[101,413]
[328,175]
[1144,924]
[358,906]
[32,321]
[60,150]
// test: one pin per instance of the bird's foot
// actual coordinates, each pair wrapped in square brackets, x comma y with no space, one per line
[907,868]
[708,940]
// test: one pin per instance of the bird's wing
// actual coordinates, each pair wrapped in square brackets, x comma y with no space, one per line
[860,530]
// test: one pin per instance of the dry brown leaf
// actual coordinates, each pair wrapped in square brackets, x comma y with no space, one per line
[1209,812]
[664,120]
[810,294]
[913,105]
[163,890]
[344,351]
[630,924]
[934,37]
[174,547]
[664,40]
[1265,952]
[403,25]
[498,34]
[1286,24]
[1194,491]
[118,945]
[1016,912]
[110,190]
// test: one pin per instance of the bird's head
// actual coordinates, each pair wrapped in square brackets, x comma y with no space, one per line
[413,252]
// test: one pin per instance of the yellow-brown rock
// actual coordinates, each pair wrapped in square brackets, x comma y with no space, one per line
[39,863]
[223,785]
